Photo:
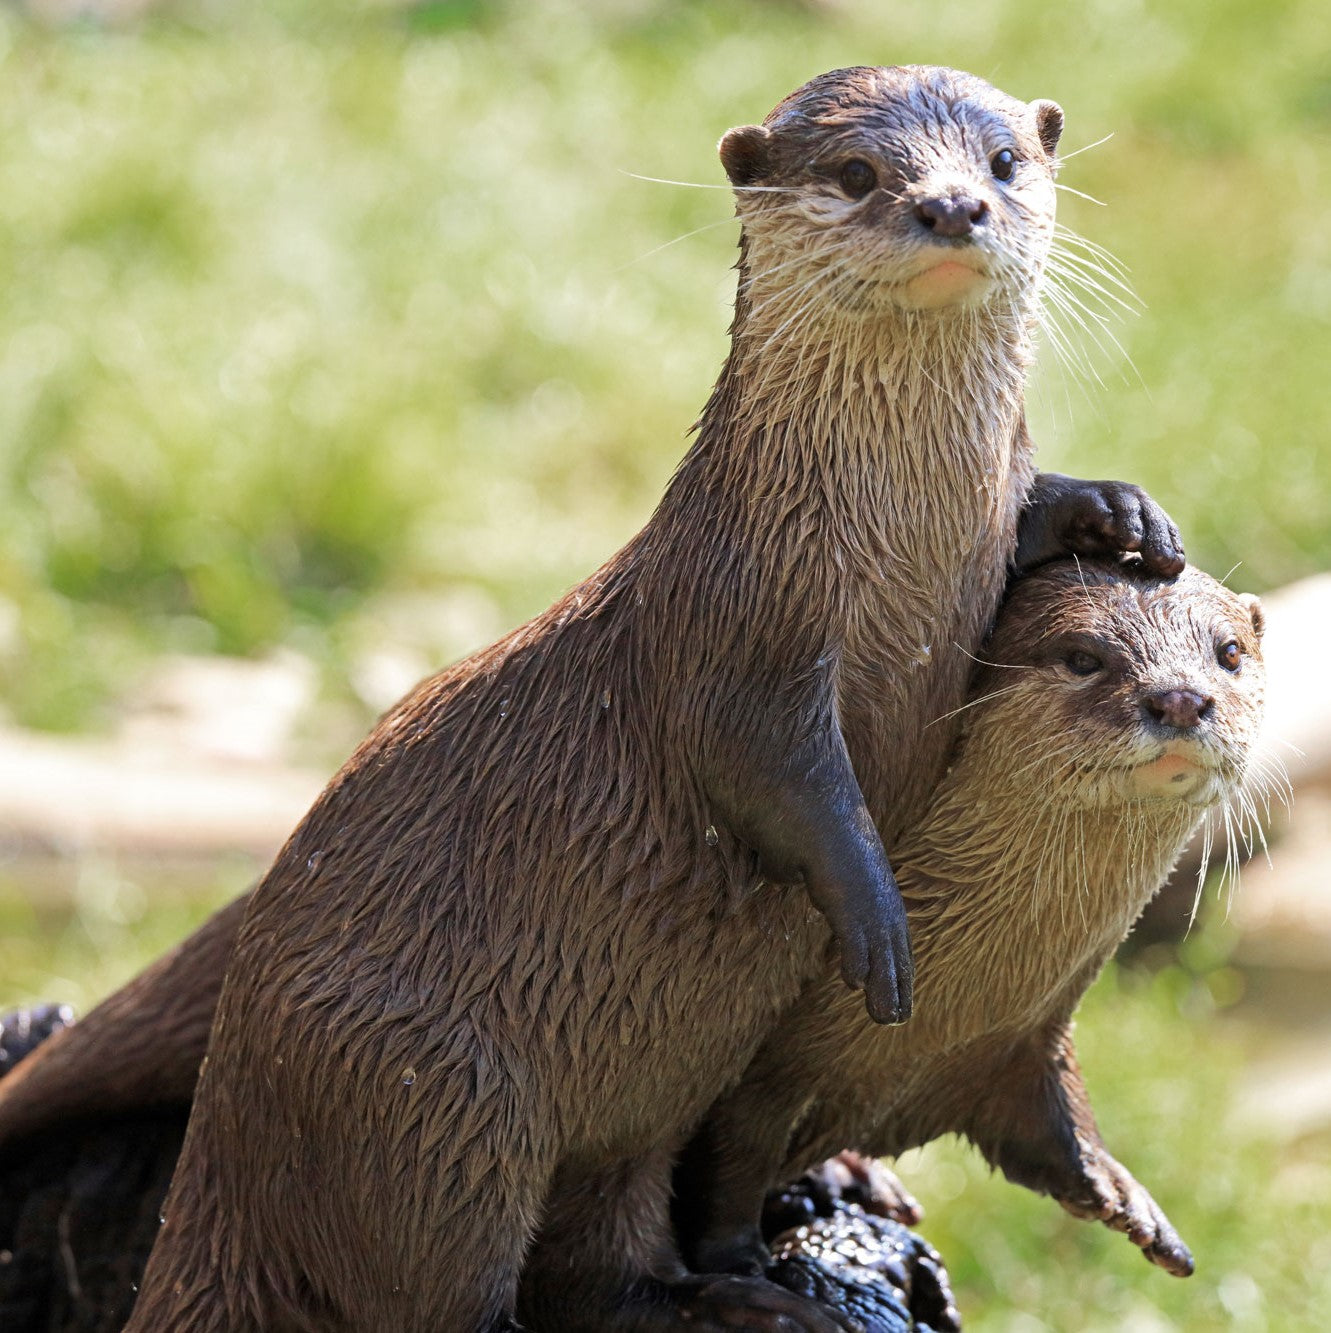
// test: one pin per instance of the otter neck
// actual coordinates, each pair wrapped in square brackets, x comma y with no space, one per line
[880,410]
[868,468]
[986,877]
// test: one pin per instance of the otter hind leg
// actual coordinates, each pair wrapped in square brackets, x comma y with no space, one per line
[606,1262]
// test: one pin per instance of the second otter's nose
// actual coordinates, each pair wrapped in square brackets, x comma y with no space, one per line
[1177,708]
[953,216]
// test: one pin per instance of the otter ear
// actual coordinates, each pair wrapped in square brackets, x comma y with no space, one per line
[1048,124]
[746,154]
[1256,612]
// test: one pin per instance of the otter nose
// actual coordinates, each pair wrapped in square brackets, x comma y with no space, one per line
[1177,708]
[952,215]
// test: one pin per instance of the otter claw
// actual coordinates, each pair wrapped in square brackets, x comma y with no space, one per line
[1065,516]
[1111,1195]
[852,1178]
[883,968]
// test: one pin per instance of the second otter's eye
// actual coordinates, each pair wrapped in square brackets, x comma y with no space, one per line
[1229,655]
[1082,663]
[1003,164]
[858,178]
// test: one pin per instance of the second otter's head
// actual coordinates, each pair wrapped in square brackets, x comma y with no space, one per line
[912,187]
[1125,688]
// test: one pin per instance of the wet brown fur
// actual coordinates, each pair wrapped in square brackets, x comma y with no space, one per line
[465,1000]
[1033,861]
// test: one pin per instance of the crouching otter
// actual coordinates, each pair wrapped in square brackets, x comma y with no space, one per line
[1111,711]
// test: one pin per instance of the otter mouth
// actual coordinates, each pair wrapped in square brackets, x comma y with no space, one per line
[947,279]
[1176,773]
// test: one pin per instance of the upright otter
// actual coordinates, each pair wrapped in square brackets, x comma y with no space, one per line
[1111,712]
[444,993]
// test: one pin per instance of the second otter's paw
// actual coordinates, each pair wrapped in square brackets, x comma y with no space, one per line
[1108,1193]
[850,1177]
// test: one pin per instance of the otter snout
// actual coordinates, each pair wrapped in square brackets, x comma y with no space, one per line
[1180,709]
[953,216]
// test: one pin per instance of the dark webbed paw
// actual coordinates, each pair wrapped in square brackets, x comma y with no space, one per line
[809,824]
[869,1269]
[1108,1193]
[852,1178]
[1066,516]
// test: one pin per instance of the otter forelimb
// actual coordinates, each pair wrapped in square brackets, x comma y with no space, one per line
[808,823]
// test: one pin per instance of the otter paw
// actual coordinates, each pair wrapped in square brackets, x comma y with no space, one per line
[869,1269]
[1067,516]
[850,1177]
[876,956]
[1109,1193]
[722,1304]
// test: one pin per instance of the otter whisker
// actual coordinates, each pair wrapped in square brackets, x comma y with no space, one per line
[1093,267]
[1065,233]
[1068,268]
[835,247]
[665,245]
[700,185]
[1054,300]
[983,699]
[981,661]
[1076,308]
[1081,194]
[1085,148]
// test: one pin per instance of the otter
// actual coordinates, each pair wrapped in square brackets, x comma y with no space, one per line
[460,1015]
[1112,710]
[1147,634]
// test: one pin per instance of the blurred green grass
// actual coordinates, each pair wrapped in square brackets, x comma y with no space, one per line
[310,310]
[307,307]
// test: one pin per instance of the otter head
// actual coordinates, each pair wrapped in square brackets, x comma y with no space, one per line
[912,188]
[1130,688]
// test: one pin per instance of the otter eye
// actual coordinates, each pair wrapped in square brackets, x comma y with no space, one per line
[1082,663]
[858,178]
[1229,655]
[1003,164]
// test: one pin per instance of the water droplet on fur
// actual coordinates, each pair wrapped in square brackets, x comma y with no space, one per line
[281,1060]
[605,698]
[712,836]
[161,1219]
[503,708]
[408,1076]
[925,653]
[313,861]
